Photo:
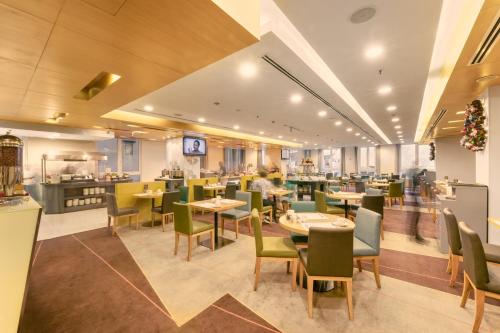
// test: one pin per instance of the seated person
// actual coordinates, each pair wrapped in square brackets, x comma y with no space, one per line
[264,185]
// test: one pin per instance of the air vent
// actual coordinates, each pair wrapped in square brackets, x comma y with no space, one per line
[488,42]
[102,81]
[436,121]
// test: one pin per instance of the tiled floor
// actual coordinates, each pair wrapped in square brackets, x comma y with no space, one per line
[213,292]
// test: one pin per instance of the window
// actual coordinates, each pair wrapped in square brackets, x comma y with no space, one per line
[332,161]
[424,152]
[234,159]
[367,159]
[407,158]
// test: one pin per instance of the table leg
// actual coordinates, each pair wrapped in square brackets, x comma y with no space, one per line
[216,226]
[219,241]
[345,208]
[148,223]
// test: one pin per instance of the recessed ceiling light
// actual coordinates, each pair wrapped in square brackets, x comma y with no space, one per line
[315,144]
[461,112]
[364,137]
[349,129]
[400,136]
[322,113]
[97,126]
[280,137]
[201,120]
[374,52]
[449,127]
[294,139]
[395,119]
[399,132]
[247,70]
[397,126]
[392,108]
[236,127]
[261,132]
[455,121]
[338,123]
[306,142]
[139,132]
[486,78]
[134,126]
[54,135]
[296,98]
[357,134]
[148,108]
[384,90]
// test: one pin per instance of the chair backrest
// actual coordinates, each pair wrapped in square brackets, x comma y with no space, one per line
[303,206]
[257,232]
[249,184]
[167,201]
[230,192]
[452,229]
[184,191]
[244,196]
[183,222]
[374,203]
[360,187]
[330,252]
[277,181]
[329,175]
[111,204]
[395,189]
[257,200]
[396,177]
[374,191]
[368,228]
[198,192]
[474,259]
[320,200]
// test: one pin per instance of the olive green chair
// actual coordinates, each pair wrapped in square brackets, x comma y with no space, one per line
[367,240]
[114,213]
[238,214]
[273,249]
[484,278]
[328,257]
[299,240]
[455,252]
[184,193]
[257,204]
[166,210]
[322,207]
[396,192]
[185,225]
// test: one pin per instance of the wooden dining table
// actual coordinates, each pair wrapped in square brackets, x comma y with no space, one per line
[150,196]
[301,222]
[346,196]
[378,185]
[211,205]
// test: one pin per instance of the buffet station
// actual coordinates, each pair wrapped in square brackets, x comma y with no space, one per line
[173,179]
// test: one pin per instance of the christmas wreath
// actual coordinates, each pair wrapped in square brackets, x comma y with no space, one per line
[474,132]
[432,151]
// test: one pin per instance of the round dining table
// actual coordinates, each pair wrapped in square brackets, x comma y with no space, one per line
[346,196]
[303,221]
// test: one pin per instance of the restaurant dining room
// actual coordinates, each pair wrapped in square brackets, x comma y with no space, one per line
[249,166]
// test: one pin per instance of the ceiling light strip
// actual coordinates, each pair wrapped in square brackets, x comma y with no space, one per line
[280,68]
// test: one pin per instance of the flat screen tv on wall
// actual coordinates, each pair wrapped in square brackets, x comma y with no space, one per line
[193,146]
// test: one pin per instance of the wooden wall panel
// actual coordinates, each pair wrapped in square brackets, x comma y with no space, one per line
[44,9]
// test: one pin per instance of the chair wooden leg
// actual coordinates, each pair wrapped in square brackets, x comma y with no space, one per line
[382,229]
[310,283]
[198,240]
[257,273]
[190,245]
[466,291]
[212,239]
[222,226]
[301,275]
[376,272]
[295,262]
[448,267]
[350,311]
[129,221]
[454,269]
[152,220]
[137,222]
[360,268]
[237,226]
[250,226]
[479,297]
[113,220]
[287,267]
[176,247]
[163,217]
[109,221]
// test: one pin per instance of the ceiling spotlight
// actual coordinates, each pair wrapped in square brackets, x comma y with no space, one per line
[364,137]
[400,136]
[392,108]
[236,127]
[395,119]
[261,132]
[374,52]
[294,139]
[133,126]
[349,129]
[201,120]
[357,134]
[397,126]
[322,113]
[296,98]
[399,132]
[461,112]
[384,90]
[148,108]
[306,142]
[338,123]
[280,137]
[315,144]
[455,121]
[247,70]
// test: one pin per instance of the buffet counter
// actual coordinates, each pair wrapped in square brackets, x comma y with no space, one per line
[74,196]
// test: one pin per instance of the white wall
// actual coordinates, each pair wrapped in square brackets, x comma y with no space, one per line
[174,157]
[454,161]
[388,159]
[350,160]
[153,159]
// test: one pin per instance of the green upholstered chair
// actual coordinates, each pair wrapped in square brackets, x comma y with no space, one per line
[329,256]
[273,249]
[166,210]
[230,191]
[114,213]
[396,192]
[257,204]
[299,240]
[367,240]
[322,207]
[238,214]
[185,225]
[184,192]
[374,203]
[455,253]
[198,192]
[479,275]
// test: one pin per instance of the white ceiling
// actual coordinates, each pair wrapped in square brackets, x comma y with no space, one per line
[405,29]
